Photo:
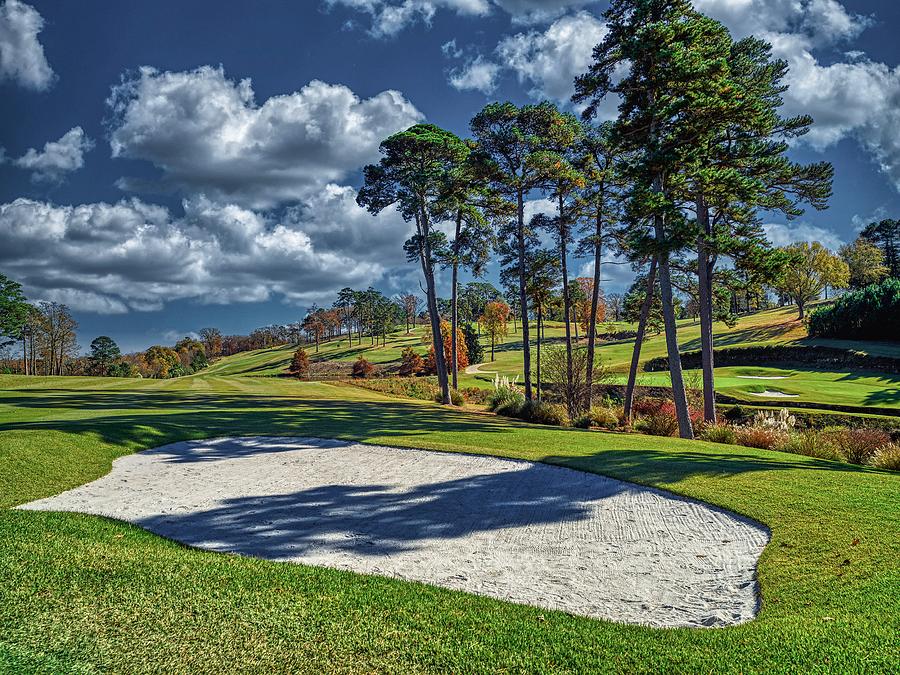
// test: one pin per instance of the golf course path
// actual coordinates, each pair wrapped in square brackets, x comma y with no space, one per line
[519,531]
[475,369]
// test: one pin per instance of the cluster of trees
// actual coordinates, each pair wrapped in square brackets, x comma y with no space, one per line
[45,332]
[674,184]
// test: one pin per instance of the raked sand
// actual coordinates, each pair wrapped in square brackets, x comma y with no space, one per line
[519,531]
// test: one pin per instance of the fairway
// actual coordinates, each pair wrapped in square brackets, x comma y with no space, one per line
[84,591]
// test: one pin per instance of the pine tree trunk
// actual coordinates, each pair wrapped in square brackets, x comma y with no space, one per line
[678,392]
[453,302]
[436,337]
[567,308]
[704,280]
[595,303]
[540,325]
[639,340]
[523,300]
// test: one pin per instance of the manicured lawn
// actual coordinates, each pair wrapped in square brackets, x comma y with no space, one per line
[807,386]
[81,593]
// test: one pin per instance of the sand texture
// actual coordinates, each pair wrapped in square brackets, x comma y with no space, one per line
[519,531]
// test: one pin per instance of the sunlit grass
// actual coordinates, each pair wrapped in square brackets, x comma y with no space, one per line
[84,593]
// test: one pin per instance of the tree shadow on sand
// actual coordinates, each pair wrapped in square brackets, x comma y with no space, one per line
[375,519]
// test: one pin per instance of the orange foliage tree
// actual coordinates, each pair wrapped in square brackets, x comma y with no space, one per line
[462,352]
[584,303]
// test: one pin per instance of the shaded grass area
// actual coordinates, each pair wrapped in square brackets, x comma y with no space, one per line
[85,593]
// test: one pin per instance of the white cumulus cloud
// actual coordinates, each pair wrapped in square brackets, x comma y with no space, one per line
[57,157]
[22,57]
[207,134]
[113,258]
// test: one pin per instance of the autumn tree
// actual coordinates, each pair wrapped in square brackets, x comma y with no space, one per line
[494,322]
[462,356]
[299,367]
[162,362]
[585,305]
[811,269]
[411,363]
[865,262]
[212,341]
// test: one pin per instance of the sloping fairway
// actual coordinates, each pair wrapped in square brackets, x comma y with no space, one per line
[84,594]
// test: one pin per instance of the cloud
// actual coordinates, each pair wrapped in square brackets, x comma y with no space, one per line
[782,235]
[550,60]
[389,17]
[207,135]
[22,57]
[547,61]
[478,74]
[114,258]
[57,157]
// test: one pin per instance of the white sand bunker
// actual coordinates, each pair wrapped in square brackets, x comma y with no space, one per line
[763,377]
[519,531]
[768,393]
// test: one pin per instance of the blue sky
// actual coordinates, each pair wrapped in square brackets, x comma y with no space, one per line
[171,165]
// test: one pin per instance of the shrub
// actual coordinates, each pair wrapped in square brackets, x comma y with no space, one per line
[504,392]
[422,388]
[299,364]
[766,438]
[660,408]
[511,407]
[455,398]
[599,416]
[476,395]
[812,443]
[362,368]
[858,446]
[411,363]
[871,313]
[658,424]
[541,412]
[735,414]
[887,457]
[719,433]
[780,421]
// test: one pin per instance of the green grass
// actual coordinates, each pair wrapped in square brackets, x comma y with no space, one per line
[86,594]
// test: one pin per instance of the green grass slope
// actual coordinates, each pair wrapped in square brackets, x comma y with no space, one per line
[85,594]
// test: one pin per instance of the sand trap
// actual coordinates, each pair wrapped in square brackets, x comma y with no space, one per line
[763,377]
[518,531]
[772,394]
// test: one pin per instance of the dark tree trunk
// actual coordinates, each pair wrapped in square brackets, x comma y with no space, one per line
[523,300]
[567,309]
[437,340]
[704,281]
[453,303]
[540,325]
[679,395]
[639,340]
[595,302]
